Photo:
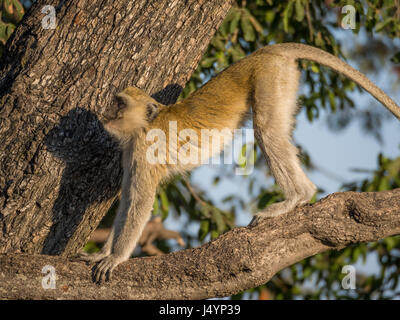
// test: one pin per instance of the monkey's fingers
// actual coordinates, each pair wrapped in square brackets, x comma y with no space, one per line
[103,270]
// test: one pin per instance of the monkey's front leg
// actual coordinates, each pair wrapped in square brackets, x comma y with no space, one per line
[133,214]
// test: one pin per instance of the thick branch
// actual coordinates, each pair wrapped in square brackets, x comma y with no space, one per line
[239,259]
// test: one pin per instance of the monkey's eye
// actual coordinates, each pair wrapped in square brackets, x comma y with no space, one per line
[120,106]
[120,103]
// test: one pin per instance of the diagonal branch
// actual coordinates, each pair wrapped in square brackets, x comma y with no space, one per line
[242,258]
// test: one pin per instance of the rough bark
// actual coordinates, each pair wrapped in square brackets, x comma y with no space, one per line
[59,169]
[239,259]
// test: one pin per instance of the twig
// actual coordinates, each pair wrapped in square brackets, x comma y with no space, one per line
[310,27]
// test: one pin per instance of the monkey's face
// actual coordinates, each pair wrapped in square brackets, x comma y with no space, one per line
[115,111]
[130,110]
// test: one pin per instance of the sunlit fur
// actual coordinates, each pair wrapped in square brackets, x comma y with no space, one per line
[267,81]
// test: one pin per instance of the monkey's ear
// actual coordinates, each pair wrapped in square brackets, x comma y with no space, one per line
[152,111]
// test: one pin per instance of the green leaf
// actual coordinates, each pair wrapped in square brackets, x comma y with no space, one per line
[208,62]
[219,220]
[91,247]
[214,234]
[218,44]
[393,167]
[299,11]
[231,14]
[221,59]
[314,68]
[237,53]
[390,243]
[269,16]
[235,21]
[310,114]
[379,26]
[314,198]
[204,229]
[6,29]
[156,207]
[224,28]
[319,41]
[384,184]
[247,28]
[13,10]
[307,272]
[287,14]
[356,253]
[332,100]
[164,201]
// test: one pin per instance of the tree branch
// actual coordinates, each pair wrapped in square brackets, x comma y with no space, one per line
[242,258]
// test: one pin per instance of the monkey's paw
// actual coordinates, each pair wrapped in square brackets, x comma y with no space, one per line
[103,270]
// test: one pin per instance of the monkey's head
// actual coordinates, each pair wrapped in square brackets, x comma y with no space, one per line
[133,109]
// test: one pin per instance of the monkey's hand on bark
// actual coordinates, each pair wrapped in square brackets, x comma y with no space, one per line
[105,264]
[102,271]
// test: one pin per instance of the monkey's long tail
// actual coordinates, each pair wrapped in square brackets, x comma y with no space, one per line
[302,51]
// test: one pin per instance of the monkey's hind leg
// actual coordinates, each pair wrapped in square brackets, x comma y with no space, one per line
[274,108]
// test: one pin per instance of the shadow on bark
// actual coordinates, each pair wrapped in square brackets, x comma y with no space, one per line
[91,159]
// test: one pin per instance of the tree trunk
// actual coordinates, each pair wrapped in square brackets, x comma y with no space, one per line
[59,170]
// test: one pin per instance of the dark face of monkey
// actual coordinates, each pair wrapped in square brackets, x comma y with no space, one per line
[115,111]
[130,110]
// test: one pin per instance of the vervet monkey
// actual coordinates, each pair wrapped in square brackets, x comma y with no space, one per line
[267,81]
